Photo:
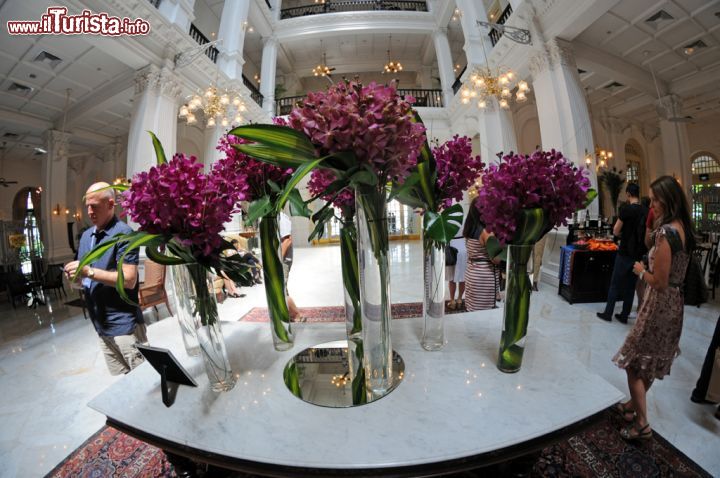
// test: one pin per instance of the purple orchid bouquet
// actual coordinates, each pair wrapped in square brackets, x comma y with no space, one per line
[544,181]
[457,170]
[180,212]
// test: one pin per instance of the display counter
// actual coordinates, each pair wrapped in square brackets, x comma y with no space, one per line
[584,274]
[453,410]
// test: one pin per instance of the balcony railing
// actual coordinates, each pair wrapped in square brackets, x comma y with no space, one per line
[201,39]
[331,6]
[494,34]
[283,106]
[458,81]
[423,99]
[254,92]
[155,3]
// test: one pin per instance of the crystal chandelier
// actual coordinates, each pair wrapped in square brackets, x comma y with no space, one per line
[391,66]
[223,106]
[483,84]
[322,69]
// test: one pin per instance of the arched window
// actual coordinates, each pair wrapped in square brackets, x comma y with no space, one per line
[705,164]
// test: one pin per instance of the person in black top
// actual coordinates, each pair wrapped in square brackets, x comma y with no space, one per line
[630,226]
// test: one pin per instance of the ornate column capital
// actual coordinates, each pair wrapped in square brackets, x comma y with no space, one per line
[57,144]
[538,63]
[269,41]
[561,53]
[440,32]
[669,106]
[650,133]
[161,81]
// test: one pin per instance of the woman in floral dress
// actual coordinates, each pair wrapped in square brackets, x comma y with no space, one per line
[652,344]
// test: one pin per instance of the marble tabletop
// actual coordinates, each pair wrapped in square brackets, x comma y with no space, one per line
[452,404]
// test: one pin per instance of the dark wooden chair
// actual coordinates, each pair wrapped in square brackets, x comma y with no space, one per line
[53,280]
[17,286]
[152,290]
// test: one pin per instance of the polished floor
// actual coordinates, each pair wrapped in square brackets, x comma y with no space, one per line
[50,363]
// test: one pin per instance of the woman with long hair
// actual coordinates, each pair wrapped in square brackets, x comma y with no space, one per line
[482,278]
[652,344]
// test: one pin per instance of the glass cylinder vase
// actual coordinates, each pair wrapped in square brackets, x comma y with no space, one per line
[207,328]
[517,308]
[274,281]
[374,276]
[353,316]
[434,296]
[179,281]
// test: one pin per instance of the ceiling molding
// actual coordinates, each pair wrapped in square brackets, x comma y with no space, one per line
[99,100]
[608,65]
[340,24]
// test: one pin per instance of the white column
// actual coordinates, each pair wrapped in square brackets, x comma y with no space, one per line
[653,154]
[155,109]
[562,109]
[475,37]
[232,33]
[497,132]
[212,138]
[180,12]
[54,195]
[675,143]
[425,77]
[445,64]
[267,73]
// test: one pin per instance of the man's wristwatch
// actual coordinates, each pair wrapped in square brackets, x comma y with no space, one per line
[91,272]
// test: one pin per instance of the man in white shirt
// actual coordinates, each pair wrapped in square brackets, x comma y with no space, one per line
[286,248]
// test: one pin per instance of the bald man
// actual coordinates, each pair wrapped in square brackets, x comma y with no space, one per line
[118,324]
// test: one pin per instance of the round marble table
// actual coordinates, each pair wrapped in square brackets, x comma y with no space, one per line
[453,411]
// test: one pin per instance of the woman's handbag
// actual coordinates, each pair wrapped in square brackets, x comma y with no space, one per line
[450,255]
[695,291]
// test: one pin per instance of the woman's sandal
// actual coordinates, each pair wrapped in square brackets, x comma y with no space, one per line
[643,433]
[627,414]
[451,305]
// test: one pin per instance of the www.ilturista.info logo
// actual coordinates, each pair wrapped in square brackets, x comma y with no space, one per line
[57,22]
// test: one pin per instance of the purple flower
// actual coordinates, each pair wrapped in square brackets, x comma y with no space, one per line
[320,179]
[457,170]
[242,172]
[372,121]
[177,199]
[544,180]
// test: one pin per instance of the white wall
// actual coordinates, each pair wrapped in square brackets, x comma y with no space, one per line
[205,19]
[26,173]
[703,136]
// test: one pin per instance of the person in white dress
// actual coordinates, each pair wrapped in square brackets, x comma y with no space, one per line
[455,274]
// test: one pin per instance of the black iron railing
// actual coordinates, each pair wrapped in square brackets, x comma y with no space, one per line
[331,6]
[254,92]
[201,39]
[283,106]
[267,2]
[155,3]
[424,98]
[458,81]
[494,34]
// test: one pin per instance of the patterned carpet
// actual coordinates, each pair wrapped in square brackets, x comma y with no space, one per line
[596,451]
[337,313]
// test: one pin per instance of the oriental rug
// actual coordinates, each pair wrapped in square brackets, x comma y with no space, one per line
[337,313]
[598,450]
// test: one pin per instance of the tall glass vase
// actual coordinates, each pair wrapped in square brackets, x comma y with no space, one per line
[179,280]
[201,296]
[353,316]
[517,307]
[434,291]
[374,288]
[274,280]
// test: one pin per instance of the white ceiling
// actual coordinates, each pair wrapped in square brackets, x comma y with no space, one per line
[624,33]
[84,69]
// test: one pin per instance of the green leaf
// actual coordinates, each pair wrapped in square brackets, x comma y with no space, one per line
[136,240]
[98,251]
[364,177]
[159,151]
[441,228]
[321,218]
[589,198]
[532,224]
[276,157]
[298,207]
[278,138]
[259,208]
[297,176]
[156,256]
[274,186]
[494,249]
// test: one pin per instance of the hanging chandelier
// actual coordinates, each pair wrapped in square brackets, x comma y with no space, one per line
[484,84]
[322,69]
[391,66]
[219,106]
